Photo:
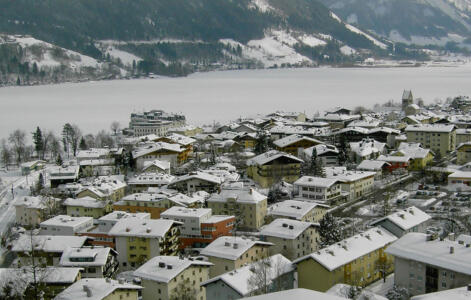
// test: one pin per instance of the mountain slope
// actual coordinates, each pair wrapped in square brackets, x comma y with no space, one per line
[409,21]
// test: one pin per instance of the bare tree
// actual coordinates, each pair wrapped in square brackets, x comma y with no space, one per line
[17,141]
[383,266]
[115,126]
[6,154]
[75,137]
[104,139]
[267,276]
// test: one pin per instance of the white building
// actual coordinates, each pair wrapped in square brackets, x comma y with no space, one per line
[404,221]
[424,264]
[97,262]
[318,188]
[298,210]
[66,225]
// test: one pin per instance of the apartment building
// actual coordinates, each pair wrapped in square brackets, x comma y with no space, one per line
[292,238]
[463,153]
[273,166]
[143,181]
[65,225]
[48,249]
[139,240]
[154,122]
[354,183]
[228,253]
[328,154]
[463,135]
[63,174]
[318,188]
[358,260]
[246,204]
[439,138]
[236,284]
[100,289]
[295,144]
[426,264]
[96,262]
[100,231]
[86,207]
[305,211]
[420,157]
[199,227]
[162,277]
[404,221]
[154,204]
[104,188]
[175,154]
[30,211]
[197,181]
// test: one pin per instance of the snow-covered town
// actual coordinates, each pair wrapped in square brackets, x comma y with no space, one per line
[366,203]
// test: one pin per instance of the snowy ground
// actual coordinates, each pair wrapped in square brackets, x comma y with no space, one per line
[381,288]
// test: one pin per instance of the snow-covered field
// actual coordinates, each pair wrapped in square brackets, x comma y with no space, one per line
[46,57]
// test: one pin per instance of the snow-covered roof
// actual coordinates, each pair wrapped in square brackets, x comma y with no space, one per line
[198,175]
[271,156]
[30,202]
[97,289]
[240,195]
[180,139]
[142,228]
[394,158]
[85,202]
[119,215]
[344,175]
[178,211]
[321,150]
[238,279]
[430,128]
[151,178]
[298,294]
[414,246]
[60,173]
[231,247]
[85,256]
[22,277]
[285,228]
[372,165]
[367,147]
[155,147]
[406,218]
[347,250]
[414,150]
[103,186]
[165,268]
[316,181]
[48,243]
[161,164]
[466,239]
[294,138]
[65,220]
[461,293]
[93,153]
[293,208]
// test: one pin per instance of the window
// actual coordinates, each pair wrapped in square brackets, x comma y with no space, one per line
[444,284]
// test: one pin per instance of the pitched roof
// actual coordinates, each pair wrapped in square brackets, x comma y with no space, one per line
[349,249]
[316,181]
[294,138]
[271,156]
[142,228]
[406,218]
[230,247]
[430,128]
[98,288]
[461,293]
[298,294]
[85,256]
[165,268]
[48,243]
[414,246]
[372,165]
[285,228]
[238,279]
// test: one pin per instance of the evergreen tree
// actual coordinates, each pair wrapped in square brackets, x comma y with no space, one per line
[316,168]
[261,145]
[40,183]
[59,160]
[83,144]
[329,231]
[397,293]
[38,141]
[18,81]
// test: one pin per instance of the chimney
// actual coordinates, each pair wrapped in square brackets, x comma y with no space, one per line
[227,244]
[285,225]
[451,236]
[469,287]
[251,191]
[467,245]
[291,227]
[148,230]
[121,281]
[235,246]
[452,250]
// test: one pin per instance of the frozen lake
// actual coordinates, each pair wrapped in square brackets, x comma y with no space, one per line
[221,96]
